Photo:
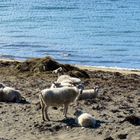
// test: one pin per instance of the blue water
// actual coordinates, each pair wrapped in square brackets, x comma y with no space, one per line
[85,32]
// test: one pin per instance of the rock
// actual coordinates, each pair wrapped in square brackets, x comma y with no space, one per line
[135,120]
[122,136]
[109,138]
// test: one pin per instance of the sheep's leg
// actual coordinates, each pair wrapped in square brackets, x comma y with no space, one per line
[46,113]
[65,110]
[42,108]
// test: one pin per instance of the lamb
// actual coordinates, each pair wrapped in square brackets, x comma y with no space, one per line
[8,94]
[84,120]
[89,93]
[58,97]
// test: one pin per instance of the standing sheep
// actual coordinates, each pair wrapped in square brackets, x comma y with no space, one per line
[86,94]
[8,94]
[58,97]
[84,119]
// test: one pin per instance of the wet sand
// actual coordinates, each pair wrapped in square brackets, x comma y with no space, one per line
[117,108]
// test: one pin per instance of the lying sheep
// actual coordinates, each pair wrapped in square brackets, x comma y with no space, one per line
[89,93]
[68,79]
[58,97]
[63,84]
[8,94]
[65,78]
[84,119]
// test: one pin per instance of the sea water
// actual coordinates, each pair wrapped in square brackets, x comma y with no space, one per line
[85,32]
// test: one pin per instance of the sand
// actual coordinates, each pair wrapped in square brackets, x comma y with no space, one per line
[116,109]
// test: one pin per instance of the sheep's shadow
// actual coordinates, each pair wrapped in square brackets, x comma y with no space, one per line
[24,102]
[69,122]
[21,102]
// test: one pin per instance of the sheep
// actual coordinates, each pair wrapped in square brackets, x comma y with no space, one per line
[8,94]
[86,94]
[89,93]
[63,84]
[63,77]
[68,79]
[58,97]
[84,120]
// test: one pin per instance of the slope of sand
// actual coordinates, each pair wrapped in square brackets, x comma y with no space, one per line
[123,71]
[117,108]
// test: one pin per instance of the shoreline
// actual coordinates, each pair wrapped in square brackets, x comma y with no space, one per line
[109,69]
[95,68]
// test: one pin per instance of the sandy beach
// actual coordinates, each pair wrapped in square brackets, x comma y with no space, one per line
[116,109]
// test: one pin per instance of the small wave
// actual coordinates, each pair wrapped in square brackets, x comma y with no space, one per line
[53,8]
[12,57]
[117,50]
[22,46]
[106,61]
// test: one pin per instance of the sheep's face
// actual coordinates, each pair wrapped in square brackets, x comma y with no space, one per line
[59,70]
[56,85]
[78,112]
[96,88]
[2,85]
[81,88]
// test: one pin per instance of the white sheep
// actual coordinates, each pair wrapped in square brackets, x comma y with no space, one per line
[65,78]
[89,93]
[68,79]
[8,94]
[84,119]
[63,84]
[58,97]
[86,94]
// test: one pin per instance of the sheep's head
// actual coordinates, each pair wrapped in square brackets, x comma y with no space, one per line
[55,85]
[96,89]
[2,85]
[80,87]
[58,71]
[78,112]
